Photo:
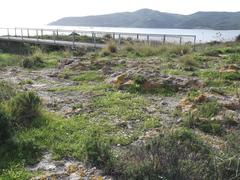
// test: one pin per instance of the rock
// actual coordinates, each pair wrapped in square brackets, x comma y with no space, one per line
[75,176]
[147,86]
[119,80]
[233,104]
[53,74]
[163,103]
[71,168]
[179,120]
[127,84]
[107,70]
[229,68]
[185,105]
[201,98]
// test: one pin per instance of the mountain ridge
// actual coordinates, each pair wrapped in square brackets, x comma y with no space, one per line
[148,18]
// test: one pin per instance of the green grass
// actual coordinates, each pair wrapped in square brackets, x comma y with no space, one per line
[9,60]
[88,76]
[84,87]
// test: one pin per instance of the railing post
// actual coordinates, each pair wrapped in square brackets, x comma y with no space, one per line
[54,37]
[42,33]
[57,33]
[8,34]
[113,36]
[94,39]
[180,40]
[28,33]
[73,39]
[119,39]
[15,29]
[22,33]
[194,43]
[164,39]
[148,39]
[37,34]
[137,36]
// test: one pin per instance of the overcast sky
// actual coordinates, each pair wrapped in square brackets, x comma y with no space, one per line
[41,12]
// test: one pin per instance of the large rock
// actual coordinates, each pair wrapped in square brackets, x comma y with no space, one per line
[152,80]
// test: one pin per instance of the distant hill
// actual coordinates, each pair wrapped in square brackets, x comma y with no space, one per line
[147,18]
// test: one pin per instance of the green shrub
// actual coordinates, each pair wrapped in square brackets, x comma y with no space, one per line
[6,91]
[112,47]
[213,52]
[179,50]
[109,49]
[5,132]
[33,62]
[211,127]
[98,149]
[208,109]
[232,76]
[105,53]
[15,173]
[202,118]
[24,108]
[188,62]
[172,155]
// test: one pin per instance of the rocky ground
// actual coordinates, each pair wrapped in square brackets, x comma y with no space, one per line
[137,97]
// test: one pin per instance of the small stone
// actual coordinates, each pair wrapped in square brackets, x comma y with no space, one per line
[74,176]
[179,120]
[72,168]
[164,103]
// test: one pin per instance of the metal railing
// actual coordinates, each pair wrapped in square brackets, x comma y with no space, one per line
[94,37]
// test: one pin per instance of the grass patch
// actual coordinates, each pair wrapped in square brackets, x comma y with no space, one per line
[9,60]
[88,76]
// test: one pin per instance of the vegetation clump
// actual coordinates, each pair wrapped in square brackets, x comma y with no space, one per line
[5,129]
[167,157]
[24,108]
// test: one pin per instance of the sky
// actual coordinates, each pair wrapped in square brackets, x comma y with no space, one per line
[33,13]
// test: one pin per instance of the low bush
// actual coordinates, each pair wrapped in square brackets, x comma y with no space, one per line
[33,62]
[232,76]
[188,62]
[213,52]
[24,108]
[202,118]
[172,155]
[109,49]
[178,50]
[6,91]
[112,47]
[98,149]
[5,132]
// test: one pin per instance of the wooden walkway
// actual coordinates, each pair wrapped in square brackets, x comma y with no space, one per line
[51,42]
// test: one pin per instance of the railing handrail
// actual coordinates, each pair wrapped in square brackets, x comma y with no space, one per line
[102,32]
